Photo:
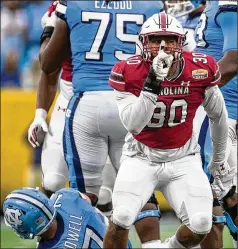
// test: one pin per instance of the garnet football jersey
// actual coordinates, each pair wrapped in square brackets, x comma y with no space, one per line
[172,123]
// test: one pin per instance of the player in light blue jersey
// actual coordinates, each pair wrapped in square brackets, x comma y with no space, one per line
[216,35]
[66,220]
[187,13]
[97,34]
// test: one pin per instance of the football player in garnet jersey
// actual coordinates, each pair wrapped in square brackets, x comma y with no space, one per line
[158,94]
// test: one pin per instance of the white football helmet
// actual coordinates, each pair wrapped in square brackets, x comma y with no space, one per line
[162,24]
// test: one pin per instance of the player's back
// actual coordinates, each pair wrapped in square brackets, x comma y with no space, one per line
[79,225]
[210,40]
[101,35]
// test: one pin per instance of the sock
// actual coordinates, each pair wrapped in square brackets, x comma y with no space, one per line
[174,243]
[198,246]
[151,244]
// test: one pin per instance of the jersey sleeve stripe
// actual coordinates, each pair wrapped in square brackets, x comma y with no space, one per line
[117,74]
[117,85]
[116,77]
[117,82]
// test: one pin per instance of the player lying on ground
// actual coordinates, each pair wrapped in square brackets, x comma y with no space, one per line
[66,220]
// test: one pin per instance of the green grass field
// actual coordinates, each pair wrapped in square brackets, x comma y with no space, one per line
[169,225]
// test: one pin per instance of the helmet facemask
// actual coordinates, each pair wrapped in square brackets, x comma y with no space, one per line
[149,52]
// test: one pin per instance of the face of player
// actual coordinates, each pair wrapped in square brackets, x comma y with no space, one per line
[154,43]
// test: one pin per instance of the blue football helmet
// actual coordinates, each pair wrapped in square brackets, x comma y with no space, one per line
[28,212]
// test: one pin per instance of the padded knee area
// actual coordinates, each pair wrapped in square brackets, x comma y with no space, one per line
[123,217]
[105,196]
[201,223]
[53,182]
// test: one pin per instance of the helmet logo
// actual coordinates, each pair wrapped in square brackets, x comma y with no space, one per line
[12,216]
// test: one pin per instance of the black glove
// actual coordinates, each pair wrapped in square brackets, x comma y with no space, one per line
[151,84]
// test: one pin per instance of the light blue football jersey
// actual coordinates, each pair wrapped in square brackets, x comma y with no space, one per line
[101,35]
[214,37]
[79,225]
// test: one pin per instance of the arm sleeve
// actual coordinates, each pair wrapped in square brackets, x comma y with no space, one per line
[227,20]
[135,112]
[214,106]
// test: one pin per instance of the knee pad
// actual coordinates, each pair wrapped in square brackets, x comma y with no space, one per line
[53,182]
[105,196]
[201,223]
[123,217]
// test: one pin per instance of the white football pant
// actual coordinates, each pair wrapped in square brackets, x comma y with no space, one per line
[182,182]
[93,131]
